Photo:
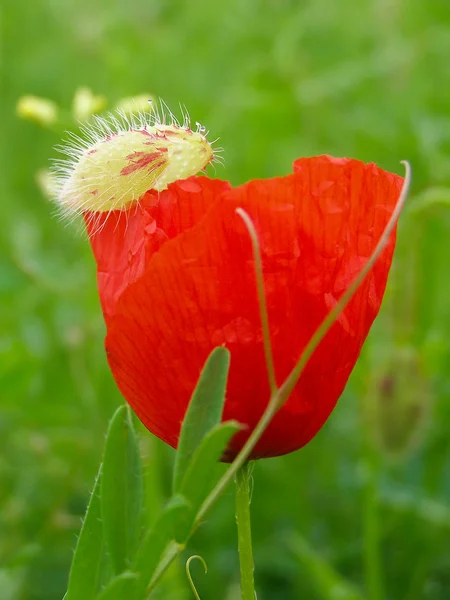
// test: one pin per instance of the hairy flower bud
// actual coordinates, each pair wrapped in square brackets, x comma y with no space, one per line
[121,159]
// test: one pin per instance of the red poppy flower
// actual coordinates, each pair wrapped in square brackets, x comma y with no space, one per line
[176,278]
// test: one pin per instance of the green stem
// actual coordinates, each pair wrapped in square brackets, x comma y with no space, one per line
[371,526]
[242,480]
[170,554]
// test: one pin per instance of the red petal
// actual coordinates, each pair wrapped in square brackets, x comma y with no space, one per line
[169,301]
[124,241]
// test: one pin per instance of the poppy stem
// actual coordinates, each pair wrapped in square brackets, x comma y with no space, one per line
[243,498]
[371,527]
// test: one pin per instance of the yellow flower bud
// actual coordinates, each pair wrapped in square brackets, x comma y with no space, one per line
[42,111]
[86,104]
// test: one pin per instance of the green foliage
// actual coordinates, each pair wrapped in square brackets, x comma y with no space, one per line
[87,559]
[275,80]
[118,588]
[121,496]
[204,412]
[114,514]
[199,476]
[158,539]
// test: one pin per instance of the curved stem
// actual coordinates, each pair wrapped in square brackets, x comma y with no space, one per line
[243,477]
[331,317]
[264,316]
[240,459]
[189,576]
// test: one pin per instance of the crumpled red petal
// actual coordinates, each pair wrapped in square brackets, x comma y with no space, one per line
[176,278]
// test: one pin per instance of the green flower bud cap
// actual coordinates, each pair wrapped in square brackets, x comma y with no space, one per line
[119,158]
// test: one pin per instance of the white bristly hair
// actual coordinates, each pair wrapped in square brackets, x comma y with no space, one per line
[118,157]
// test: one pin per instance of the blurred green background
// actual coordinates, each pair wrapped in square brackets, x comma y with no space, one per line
[363,511]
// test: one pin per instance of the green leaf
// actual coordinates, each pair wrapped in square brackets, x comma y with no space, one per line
[86,563]
[122,586]
[121,490]
[204,410]
[152,550]
[198,478]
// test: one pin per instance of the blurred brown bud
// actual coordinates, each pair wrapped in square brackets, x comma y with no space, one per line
[397,403]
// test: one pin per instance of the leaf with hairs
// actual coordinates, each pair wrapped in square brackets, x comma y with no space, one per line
[87,559]
[121,491]
[204,410]
[199,476]
[152,550]
[122,586]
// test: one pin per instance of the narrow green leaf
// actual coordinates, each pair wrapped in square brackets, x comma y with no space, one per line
[86,563]
[198,478]
[152,550]
[204,410]
[122,587]
[121,490]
